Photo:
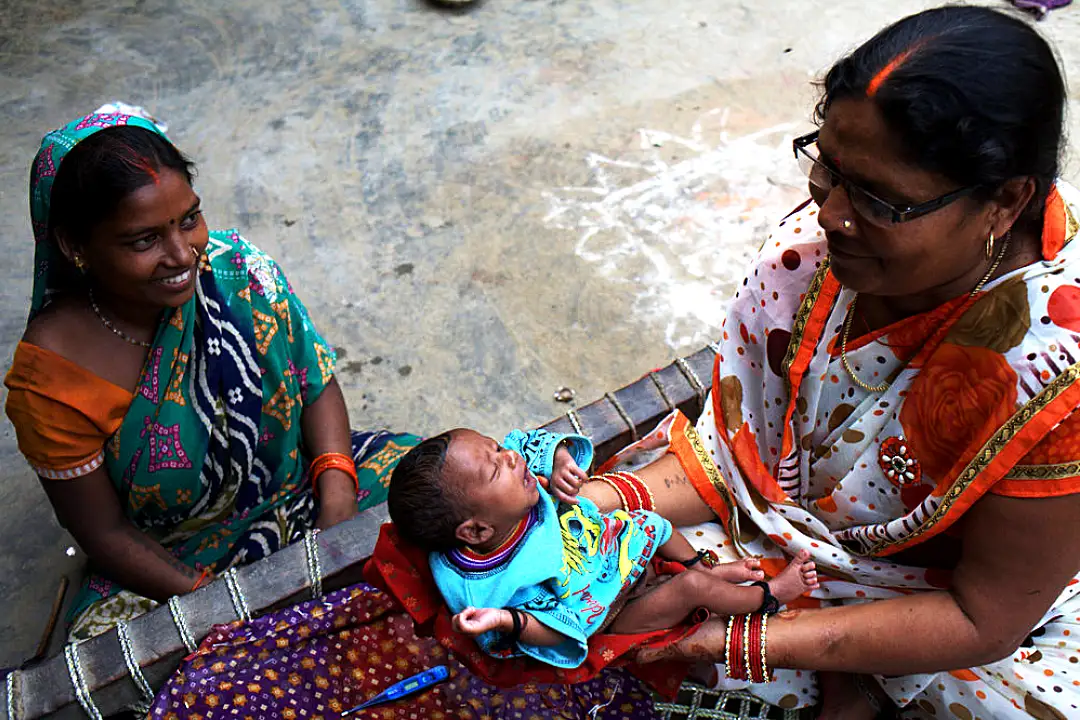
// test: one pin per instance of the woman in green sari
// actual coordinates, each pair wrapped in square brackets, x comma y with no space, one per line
[171,391]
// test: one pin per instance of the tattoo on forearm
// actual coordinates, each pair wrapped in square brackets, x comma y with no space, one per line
[156,548]
[675,480]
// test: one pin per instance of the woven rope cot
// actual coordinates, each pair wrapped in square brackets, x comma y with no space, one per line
[695,702]
[102,676]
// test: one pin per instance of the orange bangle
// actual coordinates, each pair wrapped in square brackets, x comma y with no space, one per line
[332,461]
[205,574]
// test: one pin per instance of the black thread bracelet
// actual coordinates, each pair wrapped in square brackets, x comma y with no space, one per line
[769,604]
[515,634]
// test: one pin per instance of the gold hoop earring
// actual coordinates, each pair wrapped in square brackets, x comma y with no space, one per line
[990,245]
[194,251]
[847,224]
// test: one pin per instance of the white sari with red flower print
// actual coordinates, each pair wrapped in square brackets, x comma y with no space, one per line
[981,400]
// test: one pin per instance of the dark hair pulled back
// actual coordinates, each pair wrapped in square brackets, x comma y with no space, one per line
[100,171]
[973,94]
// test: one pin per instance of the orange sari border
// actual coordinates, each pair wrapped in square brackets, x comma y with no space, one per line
[806,332]
[702,472]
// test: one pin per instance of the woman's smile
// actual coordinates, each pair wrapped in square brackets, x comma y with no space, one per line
[178,282]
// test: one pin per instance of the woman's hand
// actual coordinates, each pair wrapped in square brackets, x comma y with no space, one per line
[1018,555]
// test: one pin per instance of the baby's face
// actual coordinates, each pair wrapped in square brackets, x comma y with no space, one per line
[494,480]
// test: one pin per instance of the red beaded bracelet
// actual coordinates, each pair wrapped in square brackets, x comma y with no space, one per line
[332,461]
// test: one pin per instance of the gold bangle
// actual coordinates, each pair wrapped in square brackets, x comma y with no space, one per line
[727,647]
[764,664]
[746,648]
[611,484]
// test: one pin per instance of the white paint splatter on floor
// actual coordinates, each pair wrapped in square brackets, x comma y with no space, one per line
[681,217]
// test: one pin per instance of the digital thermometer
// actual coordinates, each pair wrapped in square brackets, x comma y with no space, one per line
[408,686]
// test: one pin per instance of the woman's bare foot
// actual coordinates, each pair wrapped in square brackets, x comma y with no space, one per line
[842,699]
[799,577]
[739,571]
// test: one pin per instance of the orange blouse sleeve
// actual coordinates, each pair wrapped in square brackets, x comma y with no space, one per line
[63,414]
[1050,469]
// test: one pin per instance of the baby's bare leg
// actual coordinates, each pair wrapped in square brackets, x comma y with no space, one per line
[669,604]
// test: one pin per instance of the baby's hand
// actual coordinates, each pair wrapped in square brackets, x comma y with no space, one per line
[566,477]
[477,621]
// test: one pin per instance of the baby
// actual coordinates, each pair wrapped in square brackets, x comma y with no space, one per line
[527,576]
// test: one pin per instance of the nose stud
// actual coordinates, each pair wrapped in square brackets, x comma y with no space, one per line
[846,224]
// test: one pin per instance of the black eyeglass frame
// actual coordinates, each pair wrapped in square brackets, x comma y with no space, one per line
[902,213]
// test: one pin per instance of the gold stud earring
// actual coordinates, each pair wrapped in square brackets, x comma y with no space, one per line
[990,245]
[80,264]
[847,224]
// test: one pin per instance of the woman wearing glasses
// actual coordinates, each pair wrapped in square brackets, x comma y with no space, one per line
[895,392]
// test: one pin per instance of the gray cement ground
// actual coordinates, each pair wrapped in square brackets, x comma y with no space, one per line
[478,206]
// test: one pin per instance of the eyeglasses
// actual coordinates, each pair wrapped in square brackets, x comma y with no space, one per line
[866,204]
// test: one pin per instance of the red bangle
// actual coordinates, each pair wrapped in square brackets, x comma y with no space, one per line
[634,493]
[615,485]
[205,574]
[629,489]
[763,620]
[735,653]
[637,487]
[754,648]
[332,461]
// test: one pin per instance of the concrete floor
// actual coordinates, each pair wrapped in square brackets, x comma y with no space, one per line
[478,206]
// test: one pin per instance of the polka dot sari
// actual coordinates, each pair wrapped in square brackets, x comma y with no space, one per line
[792,454]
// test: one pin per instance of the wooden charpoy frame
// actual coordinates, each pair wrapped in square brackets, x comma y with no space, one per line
[99,667]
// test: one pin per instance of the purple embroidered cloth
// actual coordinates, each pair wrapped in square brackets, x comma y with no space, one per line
[319,658]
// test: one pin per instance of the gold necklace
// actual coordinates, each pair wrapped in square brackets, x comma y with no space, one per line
[117,331]
[851,314]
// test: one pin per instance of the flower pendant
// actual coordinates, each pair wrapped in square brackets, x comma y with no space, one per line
[898,463]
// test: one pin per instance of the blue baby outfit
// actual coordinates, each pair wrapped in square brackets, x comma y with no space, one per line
[565,566]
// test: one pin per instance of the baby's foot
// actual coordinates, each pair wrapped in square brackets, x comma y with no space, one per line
[800,576]
[740,571]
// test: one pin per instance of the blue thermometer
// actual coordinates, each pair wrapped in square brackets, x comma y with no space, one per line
[408,686]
